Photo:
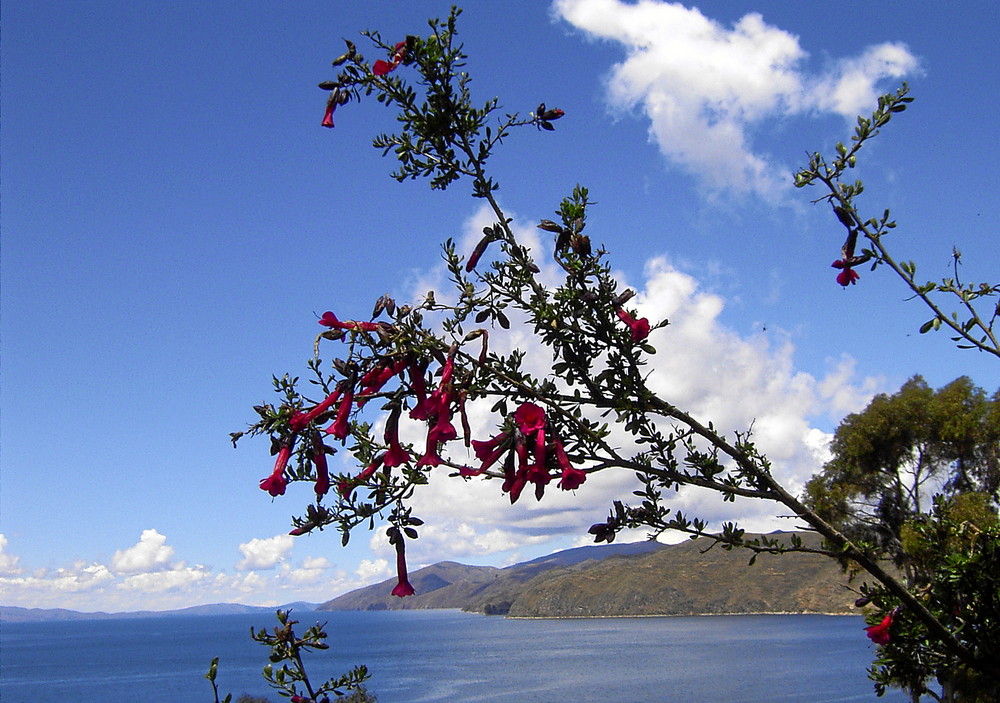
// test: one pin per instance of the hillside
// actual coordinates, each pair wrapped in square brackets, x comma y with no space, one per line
[475,588]
[624,580]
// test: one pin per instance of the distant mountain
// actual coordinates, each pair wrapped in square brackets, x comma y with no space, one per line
[643,578]
[486,589]
[15,614]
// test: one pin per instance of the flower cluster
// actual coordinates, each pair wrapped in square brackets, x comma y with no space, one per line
[534,454]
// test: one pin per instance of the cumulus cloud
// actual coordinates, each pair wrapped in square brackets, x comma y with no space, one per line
[151,553]
[312,570]
[179,578]
[703,86]
[8,561]
[264,554]
[372,570]
[703,366]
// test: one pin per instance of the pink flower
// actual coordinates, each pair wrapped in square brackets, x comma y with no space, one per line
[640,327]
[330,320]
[515,481]
[300,421]
[372,382]
[431,456]
[396,454]
[879,634]
[331,105]
[572,478]
[419,387]
[347,487]
[340,426]
[846,277]
[529,418]
[380,67]
[275,483]
[403,587]
[319,461]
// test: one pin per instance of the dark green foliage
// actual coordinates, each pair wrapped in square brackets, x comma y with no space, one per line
[891,460]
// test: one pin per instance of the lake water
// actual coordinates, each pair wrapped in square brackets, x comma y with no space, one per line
[438,656]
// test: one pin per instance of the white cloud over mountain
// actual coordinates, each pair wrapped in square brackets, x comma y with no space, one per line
[703,85]
[151,553]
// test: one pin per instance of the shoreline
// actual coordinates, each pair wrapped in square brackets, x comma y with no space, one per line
[663,615]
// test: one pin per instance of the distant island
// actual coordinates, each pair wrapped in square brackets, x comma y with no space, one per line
[615,580]
[10,613]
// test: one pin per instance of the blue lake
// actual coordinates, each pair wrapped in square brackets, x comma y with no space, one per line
[437,656]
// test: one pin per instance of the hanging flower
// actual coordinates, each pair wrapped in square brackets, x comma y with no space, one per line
[403,587]
[572,477]
[322,485]
[879,634]
[345,488]
[300,420]
[848,276]
[530,418]
[331,105]
[381,68]
[396,454]
[640,327]
[276,483]
[340,426]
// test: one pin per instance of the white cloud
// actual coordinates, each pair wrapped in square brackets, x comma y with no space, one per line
[264,554]
[312,570]
[8,562]
[702,366]
[178,578]
[151,553]
[703,86]
[372,570]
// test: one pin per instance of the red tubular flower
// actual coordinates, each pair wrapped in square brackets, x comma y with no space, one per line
[572,478]
[640,327]
[319,461]
[848,276]
[431,456]
[330,320]
[275,483]
[488,452]
[443,430]
[515,480]
[300,421]
[530,418]
[879,634]
[403,587]
[331,105]
[380,67]
[396,454]
[372,382]
[347,487]
[340,426]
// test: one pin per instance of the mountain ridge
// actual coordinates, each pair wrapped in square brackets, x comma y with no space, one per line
[642,578]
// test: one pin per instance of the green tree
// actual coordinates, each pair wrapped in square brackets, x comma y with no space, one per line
[914,478]
[892,459]
[423,362]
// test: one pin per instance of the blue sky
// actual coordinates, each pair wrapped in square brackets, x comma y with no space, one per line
[174,217]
